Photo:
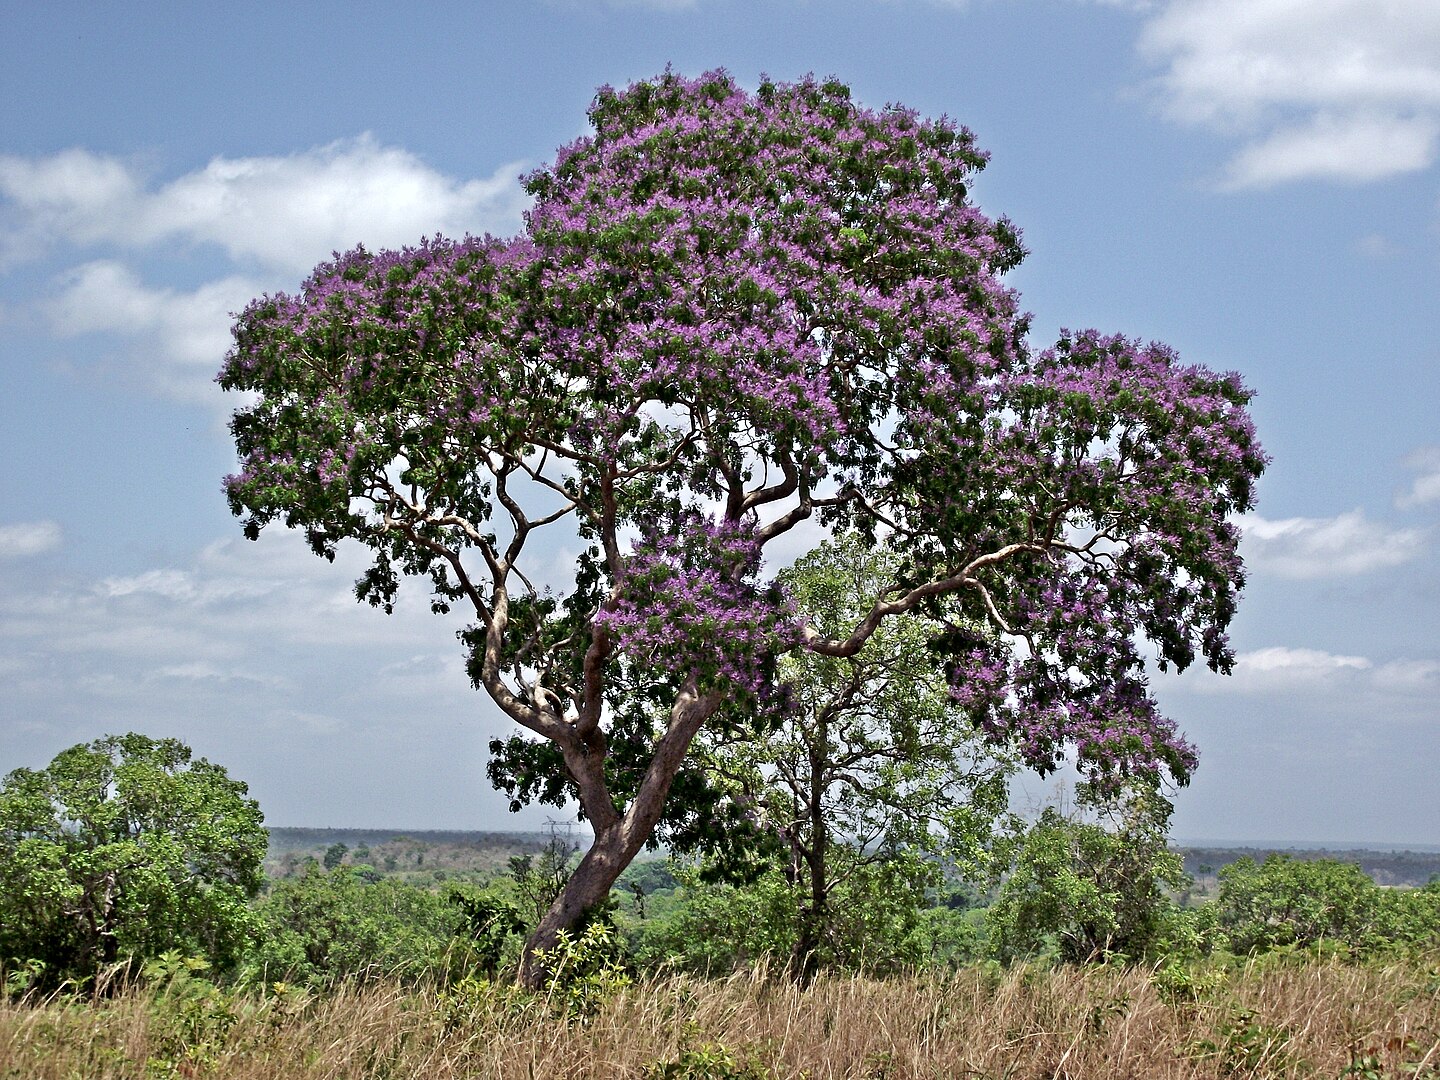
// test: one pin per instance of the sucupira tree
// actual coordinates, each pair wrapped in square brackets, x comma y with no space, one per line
[731,314]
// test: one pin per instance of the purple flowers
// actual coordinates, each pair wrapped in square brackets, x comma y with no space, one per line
[730,314]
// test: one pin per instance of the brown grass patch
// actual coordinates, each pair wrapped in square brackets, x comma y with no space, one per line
[1291,1019]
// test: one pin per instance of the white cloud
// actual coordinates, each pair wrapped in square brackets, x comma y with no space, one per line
[281,213]
[1304,664]
[1350,683]
[1334,89]
[1425,488]
[28,538]
[1308,548]
[269,615]
[275,216]
[178,337]
[1409,675]
[1354,148]
[71,194]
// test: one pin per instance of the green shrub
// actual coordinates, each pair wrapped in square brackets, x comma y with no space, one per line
[324,927]
[1079,892]
[1288,902]
[709,1061]
[584,972]
[718,928]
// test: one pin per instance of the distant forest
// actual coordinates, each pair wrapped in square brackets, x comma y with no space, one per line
[421,854]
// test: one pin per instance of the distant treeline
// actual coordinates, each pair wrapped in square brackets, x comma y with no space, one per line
[283,840]
[1391,868]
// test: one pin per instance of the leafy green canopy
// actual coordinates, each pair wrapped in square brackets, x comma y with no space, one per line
[1088,891]
[125,848]
[730,314]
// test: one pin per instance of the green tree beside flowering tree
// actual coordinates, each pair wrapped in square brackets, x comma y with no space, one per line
[873,769]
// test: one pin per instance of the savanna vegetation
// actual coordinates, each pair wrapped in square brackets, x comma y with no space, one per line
[1072,955]
[731,315]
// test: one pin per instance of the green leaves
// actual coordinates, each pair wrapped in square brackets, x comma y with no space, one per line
[1081,892]
[123,849]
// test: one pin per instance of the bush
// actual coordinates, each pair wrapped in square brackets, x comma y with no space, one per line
[325,927]
[716,928]
[1290,902]
[878,921]
[1081,892]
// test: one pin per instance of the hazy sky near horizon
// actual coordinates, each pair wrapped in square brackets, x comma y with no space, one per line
[1254,182]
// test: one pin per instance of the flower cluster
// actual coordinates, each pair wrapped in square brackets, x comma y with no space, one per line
[688,602]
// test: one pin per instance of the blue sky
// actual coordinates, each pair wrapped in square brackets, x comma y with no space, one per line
[1254,182]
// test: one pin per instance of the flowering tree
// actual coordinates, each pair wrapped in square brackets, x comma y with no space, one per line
[731,314]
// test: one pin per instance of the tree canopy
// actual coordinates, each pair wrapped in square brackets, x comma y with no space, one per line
[125,848]
[731,313]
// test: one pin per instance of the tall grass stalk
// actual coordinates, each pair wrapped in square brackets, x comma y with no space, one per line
[1296,1019]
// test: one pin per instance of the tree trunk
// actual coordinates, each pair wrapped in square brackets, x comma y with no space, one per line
[587,889]
[616,846]
[814,916]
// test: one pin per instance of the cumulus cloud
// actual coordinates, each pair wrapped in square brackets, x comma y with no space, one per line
[1334,89]
[282,213]
[1356,148]
[1425,488]
[1289,665]
[1309,548]
[28,538]
[273,217]
[177,336]
[1352,683]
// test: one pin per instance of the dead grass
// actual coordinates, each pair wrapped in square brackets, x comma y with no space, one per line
[1292,1019]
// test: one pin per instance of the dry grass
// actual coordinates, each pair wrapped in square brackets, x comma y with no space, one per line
[1311,1019]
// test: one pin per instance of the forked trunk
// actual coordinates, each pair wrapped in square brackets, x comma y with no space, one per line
[587,889]
[617,844]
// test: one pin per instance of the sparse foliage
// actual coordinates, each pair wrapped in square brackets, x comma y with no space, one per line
[872,768]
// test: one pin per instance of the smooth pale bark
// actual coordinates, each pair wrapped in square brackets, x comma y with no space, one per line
[617,845]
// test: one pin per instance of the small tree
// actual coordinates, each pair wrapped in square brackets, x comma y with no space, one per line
[123,849]
[732,313]
[1086,890]
[873,766]
[1289,901]
[540,877]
